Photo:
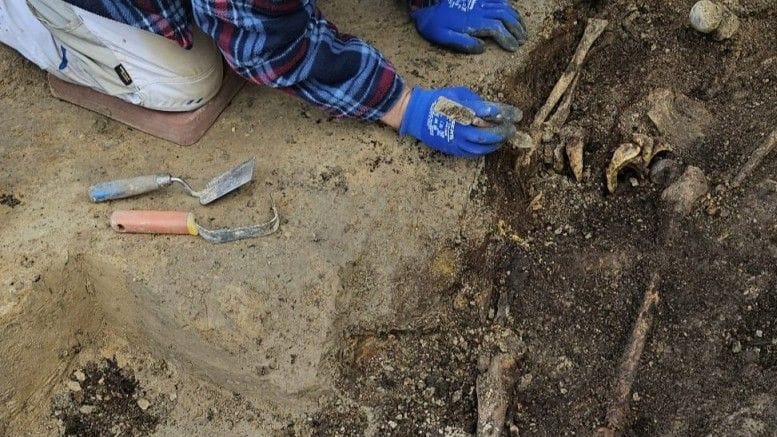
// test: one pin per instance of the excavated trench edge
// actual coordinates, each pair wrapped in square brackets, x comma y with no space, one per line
[87,297]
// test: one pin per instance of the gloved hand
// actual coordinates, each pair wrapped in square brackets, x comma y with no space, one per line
[458,23]
[424,120]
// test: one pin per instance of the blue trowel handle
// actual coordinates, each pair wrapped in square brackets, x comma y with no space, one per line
[122,188]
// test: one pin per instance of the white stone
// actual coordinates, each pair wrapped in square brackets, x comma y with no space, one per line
[706,16]
[87,409]
[143,404]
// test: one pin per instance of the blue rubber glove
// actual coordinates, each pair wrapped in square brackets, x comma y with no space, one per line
[439,131]
[458,23]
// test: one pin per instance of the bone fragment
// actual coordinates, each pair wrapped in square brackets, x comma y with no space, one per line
[618,411]
[684,193]
[558,158]
[624,155]
[559,117]
[755,159]
[493,390]
[592,31]
[573,139]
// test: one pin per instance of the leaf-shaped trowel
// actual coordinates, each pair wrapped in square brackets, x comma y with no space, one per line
[227,182]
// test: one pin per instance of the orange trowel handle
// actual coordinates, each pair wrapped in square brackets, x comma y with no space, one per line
[154,222]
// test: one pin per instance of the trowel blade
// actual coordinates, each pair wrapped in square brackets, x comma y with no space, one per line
[227,182]
[233,234]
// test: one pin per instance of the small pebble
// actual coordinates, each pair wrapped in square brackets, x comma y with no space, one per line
[143,404]
[759,333]
[736,347]
[73,386]
[79,375]
[392,424]
[87,409]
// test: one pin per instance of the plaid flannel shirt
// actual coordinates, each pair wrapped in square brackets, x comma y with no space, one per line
[285,44]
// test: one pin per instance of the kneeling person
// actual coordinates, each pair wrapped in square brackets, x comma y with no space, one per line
[166,55]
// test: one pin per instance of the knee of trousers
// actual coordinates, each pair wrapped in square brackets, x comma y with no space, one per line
[132,64]
[185,93]
[190,80]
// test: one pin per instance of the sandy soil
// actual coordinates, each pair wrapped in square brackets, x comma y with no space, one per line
[234,339]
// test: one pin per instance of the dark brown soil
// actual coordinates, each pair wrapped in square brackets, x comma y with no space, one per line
[9,200]
[560,284]
[106,404]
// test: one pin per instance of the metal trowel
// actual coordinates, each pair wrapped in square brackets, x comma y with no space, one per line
[184,223]
[216,188]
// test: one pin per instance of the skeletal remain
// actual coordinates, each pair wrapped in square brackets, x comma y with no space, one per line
[565,87]
[617,413]
[636,155]
[568,149]
[686,191]
[645,143]
[624,155]
[756,158]
[523,140]
[493,389]
[559,117]
[573,139]
[558,158]
[681,120]
[592,31]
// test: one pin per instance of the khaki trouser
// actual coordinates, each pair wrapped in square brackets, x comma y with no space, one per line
[116,59]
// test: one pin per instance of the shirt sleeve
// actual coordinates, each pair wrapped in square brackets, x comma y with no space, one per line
[290,46]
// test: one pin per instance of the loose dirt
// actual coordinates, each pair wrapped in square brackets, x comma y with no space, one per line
[9,200]
[104,399]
